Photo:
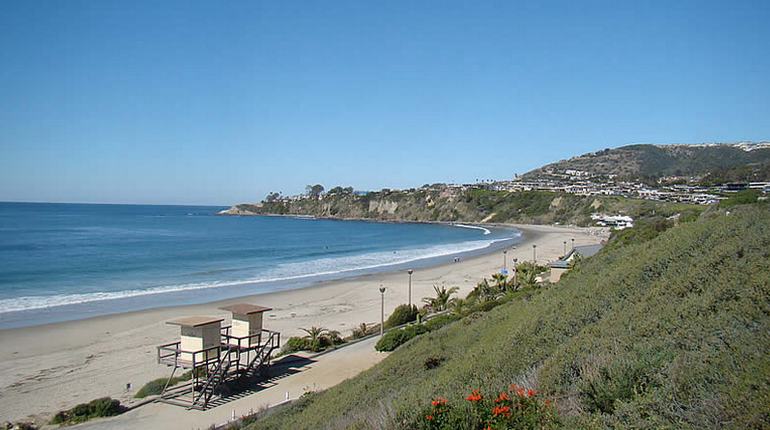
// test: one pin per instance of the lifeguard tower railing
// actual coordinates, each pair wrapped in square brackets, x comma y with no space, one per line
[251,353]
[235,358]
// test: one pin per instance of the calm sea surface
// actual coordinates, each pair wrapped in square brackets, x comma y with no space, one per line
[69,261]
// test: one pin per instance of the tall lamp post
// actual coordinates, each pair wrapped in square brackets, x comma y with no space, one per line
[573,243]
[565,247]
[382,310]
[515,271]
[410,271]
[534,254]
[505,263]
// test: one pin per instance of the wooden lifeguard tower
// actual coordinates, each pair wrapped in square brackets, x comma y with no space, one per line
[216,356]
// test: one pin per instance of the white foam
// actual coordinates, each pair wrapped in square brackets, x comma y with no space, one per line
[475,227]
[282,273]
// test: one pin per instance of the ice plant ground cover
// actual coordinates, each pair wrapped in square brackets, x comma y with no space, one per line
[515,408]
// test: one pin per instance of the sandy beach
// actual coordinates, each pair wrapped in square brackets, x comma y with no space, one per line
[47,368]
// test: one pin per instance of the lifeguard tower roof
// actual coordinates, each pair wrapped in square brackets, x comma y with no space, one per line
[245,309]
[196,321]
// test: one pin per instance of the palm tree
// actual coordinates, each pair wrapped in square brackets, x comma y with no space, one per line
[485,292]
[443,298]
[360,331]
[501,281]
[319,338]
[314,334]
[460,306]
[332,337]
[528,278]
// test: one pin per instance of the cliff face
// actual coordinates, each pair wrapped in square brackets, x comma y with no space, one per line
[471,205]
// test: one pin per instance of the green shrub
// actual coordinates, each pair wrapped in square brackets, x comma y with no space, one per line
[155,386]
[294,344]
[401,315]
[619,380]
[741,198]
[395,338]
[364,330]
[433,361]
[103,407]
[151,388]
[319,340]
[436,323]
[332,338]
[359,332]
[643,231]
[484,306]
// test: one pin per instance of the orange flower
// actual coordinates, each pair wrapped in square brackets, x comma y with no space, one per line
[520,392]
[502,397]
[439,401]
[429,417]
[547,402]
[475,396]
[488,427]
[501,410]
[531,393]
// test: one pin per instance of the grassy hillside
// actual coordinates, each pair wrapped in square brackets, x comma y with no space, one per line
[671,331]
[728,162]
[473,205]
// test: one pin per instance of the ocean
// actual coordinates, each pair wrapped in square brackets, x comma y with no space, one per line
[63,262]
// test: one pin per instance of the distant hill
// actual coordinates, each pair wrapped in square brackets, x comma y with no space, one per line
[713,162]
[709,163]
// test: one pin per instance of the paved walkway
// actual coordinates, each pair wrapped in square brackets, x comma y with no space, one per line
[292,376]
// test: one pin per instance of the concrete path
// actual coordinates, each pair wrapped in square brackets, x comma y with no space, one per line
[294,376]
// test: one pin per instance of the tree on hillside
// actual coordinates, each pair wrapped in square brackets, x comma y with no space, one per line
[314,190]
[341,190]
[272,197]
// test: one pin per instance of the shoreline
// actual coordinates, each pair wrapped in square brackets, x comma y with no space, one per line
[88,309]
[46,368]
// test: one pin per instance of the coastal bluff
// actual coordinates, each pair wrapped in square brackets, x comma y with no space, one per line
[241,210]
[456,204]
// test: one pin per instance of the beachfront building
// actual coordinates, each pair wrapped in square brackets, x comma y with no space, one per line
[617,222]
[562,265]
[216,356]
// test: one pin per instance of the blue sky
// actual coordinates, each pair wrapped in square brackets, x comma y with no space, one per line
[221,102]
